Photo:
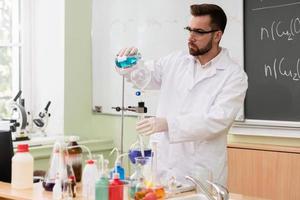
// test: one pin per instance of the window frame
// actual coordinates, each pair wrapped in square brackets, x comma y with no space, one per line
[21,48]
[14,45]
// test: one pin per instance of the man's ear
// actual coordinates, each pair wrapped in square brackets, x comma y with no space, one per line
[217,36]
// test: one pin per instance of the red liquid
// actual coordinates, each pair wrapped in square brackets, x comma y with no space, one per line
[116,190]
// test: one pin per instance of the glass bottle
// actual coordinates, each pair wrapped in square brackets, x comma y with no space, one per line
[75,157]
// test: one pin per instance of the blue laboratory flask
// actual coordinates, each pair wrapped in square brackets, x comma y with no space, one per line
[124,62]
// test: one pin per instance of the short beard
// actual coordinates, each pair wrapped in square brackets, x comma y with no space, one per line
[200,52]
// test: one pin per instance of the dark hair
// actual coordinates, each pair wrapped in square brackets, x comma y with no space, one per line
[217,14]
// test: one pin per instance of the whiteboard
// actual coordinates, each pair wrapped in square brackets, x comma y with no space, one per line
[156,28]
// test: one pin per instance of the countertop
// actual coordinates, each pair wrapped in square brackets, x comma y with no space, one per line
[38,193]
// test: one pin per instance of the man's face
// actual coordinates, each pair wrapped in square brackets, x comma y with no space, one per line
[200,43]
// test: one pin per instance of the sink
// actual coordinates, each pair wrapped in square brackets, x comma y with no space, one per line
[190,197]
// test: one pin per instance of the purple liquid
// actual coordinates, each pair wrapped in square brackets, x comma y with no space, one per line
[133,153]
[48,186]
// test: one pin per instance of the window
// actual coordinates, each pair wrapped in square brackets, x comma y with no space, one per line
[31,56]
[10,52]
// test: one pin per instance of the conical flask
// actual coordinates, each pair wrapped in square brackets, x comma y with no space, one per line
[49,180]
[59,164]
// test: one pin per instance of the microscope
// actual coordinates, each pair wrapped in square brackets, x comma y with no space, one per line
[21,123]
[42,121]
[18,120]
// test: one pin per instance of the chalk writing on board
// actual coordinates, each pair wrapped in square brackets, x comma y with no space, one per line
[275,6]
[280,68]
[281,30]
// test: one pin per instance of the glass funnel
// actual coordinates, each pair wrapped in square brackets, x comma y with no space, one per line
[141,76]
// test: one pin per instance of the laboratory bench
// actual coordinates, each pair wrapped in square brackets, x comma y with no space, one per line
[38,193]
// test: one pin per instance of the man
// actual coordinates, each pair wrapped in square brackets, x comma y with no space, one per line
[201,94]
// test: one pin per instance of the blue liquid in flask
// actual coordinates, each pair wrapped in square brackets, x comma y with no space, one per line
[127,61]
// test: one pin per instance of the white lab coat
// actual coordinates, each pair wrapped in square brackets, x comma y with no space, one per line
[199,113]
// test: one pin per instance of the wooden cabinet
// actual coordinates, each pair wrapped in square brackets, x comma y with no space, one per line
[270,172]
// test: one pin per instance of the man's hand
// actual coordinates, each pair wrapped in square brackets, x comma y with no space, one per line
[151,125]
[127,52]
[122,55]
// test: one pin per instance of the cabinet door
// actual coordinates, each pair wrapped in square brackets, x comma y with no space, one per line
[266,174]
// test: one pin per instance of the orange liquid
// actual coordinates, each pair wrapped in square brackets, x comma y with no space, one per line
[160,193]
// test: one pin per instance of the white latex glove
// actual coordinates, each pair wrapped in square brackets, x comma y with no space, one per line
[152,125]
[128,52]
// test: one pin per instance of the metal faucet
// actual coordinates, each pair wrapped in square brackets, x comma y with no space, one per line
[202,187]
[222,192]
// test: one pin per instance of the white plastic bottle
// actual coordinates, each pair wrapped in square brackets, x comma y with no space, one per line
[22,168]
[89,178]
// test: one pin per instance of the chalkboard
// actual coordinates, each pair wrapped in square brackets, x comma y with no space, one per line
[156,28]
[272,59]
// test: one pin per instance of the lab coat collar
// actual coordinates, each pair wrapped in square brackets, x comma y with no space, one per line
[219,62]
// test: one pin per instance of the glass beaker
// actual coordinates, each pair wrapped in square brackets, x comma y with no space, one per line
[140,180]
[150,193]
[137,175]
[108,191]
[136,152]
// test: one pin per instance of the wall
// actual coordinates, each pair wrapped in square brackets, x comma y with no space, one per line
[47,78]
[78,80]
[78,86]
[42,154]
